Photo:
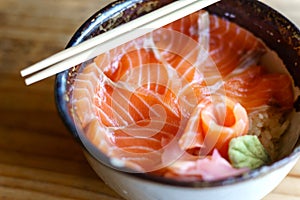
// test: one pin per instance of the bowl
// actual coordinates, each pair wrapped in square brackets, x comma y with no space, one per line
[278,33]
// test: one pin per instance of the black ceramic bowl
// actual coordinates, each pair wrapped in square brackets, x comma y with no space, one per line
[278,34]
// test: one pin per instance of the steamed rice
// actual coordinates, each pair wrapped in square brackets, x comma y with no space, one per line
[269,125]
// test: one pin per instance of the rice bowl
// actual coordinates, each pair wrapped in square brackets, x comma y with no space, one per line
[118,179]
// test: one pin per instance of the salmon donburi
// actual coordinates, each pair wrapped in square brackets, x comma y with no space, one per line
[193,100]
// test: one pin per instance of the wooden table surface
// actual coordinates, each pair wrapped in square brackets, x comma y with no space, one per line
[38,157]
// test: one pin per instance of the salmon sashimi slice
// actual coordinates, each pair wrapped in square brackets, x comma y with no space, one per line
[129,156]
[214,122]
[84,89]
[192,25]
[188,59]
[232,47]
[255,88]
[229,45]
[184,45]
[134,58]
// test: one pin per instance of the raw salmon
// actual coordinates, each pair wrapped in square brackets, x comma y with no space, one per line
[172,100]
[213,123]
[254,88]
[231,46]
[131,59]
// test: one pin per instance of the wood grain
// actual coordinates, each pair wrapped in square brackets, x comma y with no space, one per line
[39,159]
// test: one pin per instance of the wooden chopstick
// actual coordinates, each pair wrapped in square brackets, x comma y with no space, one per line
[104,37]
[113,38]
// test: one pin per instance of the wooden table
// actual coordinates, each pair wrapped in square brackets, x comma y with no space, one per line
[38,157]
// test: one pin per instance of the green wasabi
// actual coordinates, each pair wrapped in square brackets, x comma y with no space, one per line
[247,152]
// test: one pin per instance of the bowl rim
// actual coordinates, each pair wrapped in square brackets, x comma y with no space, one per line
[62,100]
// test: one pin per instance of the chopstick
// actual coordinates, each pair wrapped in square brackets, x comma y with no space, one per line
[104,42]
